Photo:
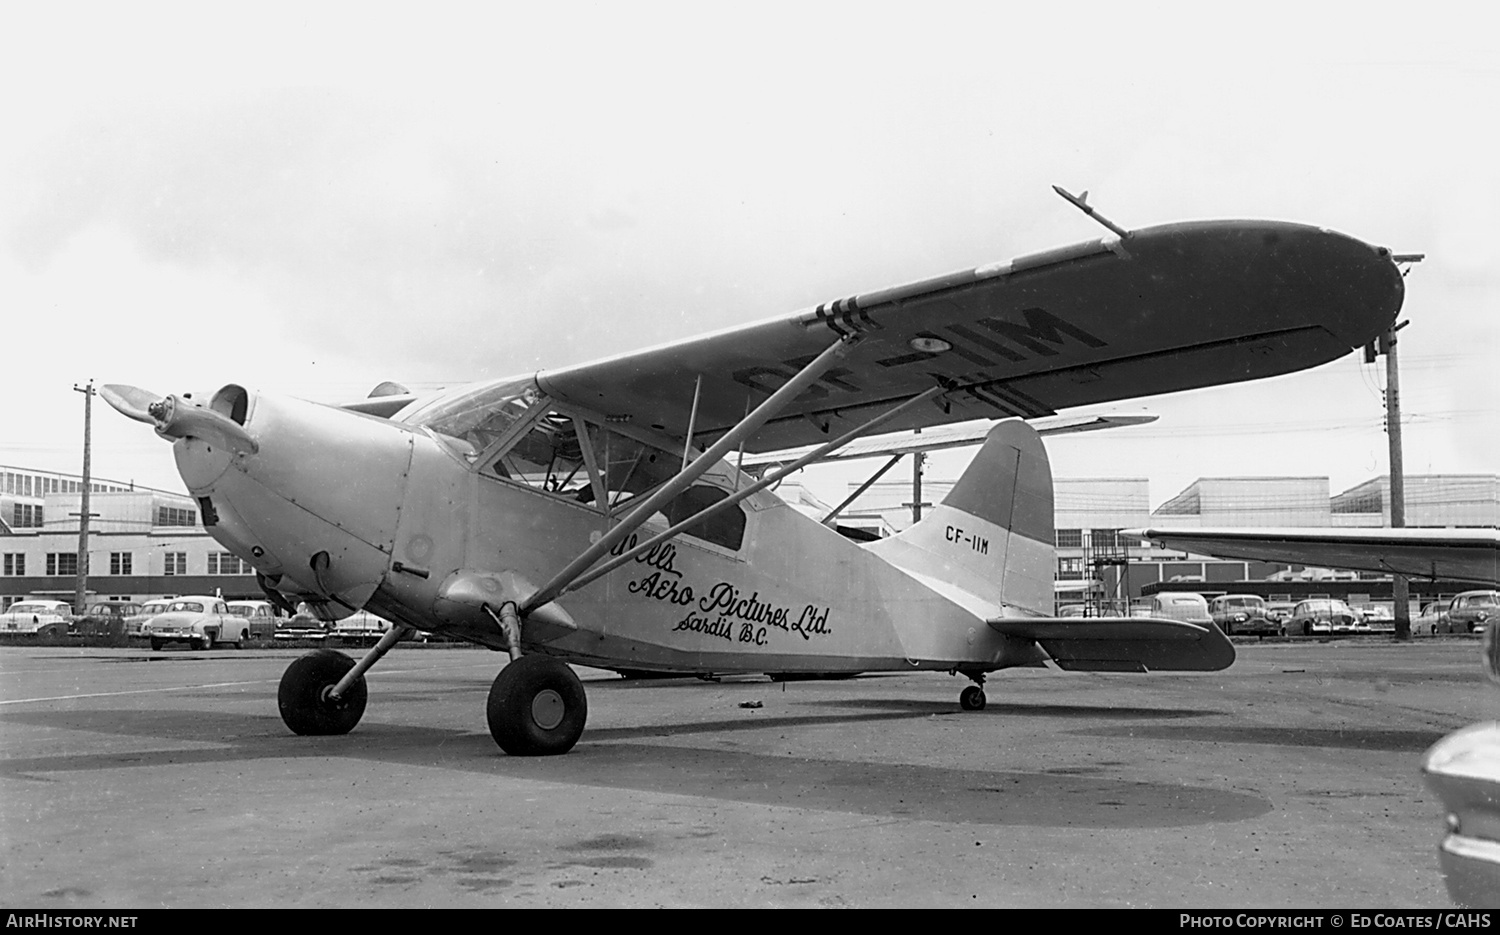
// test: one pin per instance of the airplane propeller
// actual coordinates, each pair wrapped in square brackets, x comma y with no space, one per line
[173,417]
[131,401]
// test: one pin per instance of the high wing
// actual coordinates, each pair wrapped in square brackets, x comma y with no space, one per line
[1123,644]
[1460,554]
[901,443]
[1162,309]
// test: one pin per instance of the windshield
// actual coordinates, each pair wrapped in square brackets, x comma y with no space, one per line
[476,416]
[191,607]
[1482,600]
[31,608]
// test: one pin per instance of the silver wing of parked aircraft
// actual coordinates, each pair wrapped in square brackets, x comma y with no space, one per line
[1457,554]
[941,439]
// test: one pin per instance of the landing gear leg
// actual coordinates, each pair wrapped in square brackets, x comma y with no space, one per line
[537,707]
[972,698]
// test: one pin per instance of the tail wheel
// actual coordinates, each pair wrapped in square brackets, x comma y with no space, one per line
[971,698]
[304,700]
[537,707]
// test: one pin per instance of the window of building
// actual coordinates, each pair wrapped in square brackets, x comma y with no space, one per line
[62,563]
[15,564]
[120,563]
[176,516]
[1104,538]
[1070,569]
[175,563]
[227,563]
[1070,538]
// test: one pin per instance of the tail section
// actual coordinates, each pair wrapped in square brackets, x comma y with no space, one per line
[992,536]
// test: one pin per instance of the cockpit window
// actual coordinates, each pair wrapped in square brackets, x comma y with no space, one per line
[583,462]
[476,417]
[549,457]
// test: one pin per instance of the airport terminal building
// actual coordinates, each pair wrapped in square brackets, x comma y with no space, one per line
[1099,567]
[150,543]
[142,542]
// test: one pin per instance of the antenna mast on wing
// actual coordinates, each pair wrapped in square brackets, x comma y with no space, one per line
[1081,203]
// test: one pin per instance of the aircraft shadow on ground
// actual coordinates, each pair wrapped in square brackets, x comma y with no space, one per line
[1384,741]
[1022,709]
[1078,797]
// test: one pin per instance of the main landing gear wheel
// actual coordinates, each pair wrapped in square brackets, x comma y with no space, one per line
[304,699]
[971,698]
[537,707]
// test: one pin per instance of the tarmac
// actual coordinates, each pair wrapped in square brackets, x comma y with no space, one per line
[133,779]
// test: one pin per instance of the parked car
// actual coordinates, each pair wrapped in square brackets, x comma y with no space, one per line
[1243,613]
[1470,612]
[361,627]
[1378,619]
[1181,605]
[1464,770]
[41,618]
[148,610]
[260,615]
[1322,615]
[303,625]
[203,622]
[1281,612]
[1433,615]
[108,618]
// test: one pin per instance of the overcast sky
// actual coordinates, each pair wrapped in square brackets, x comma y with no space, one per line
[313,198]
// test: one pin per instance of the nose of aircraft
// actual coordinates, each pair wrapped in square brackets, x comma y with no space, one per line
[308,494]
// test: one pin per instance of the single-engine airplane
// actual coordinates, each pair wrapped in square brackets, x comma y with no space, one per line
[596,513]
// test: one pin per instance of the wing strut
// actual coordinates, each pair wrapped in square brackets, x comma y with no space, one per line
[759,485]
[684,478]
[834,513]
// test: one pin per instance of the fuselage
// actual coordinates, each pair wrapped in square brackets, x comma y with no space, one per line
[352,510]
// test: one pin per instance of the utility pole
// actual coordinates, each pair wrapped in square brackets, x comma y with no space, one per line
[1386,344]
[1400,592]
[81,585]
[916,485]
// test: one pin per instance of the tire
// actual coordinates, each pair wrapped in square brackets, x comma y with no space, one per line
[302,696]
[206,641]
[1307,629]
[971,698]
[240,643]
[537,707]
[156,646]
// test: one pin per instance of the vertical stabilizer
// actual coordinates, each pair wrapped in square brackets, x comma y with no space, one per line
[992,536]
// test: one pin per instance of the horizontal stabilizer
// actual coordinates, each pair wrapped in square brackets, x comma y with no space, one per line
[1123,644]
